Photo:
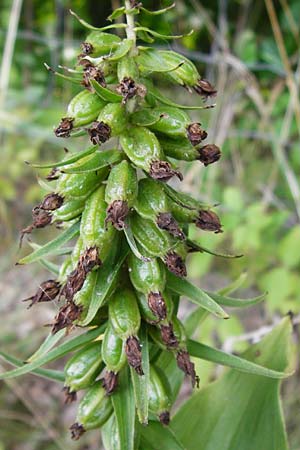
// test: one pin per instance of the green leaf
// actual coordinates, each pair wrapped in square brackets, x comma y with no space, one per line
[124,408]
[240,411]
[235,302]
[97,161]
[50,341]
[161,36]
[195,294]
[91,27]
[53,268]
[141,383]
[198,248]
[106,276]
[52,247]
[72,159]
[121,51]
[234,286]
[55,375]
[155,436]
[56,353]
[194,319]
[202,351]
[106,94]
[117,13]
[158,12]
[132,244]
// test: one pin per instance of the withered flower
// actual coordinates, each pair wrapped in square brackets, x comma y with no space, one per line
[91,72]
[195,133]
[99,132]
[64,127]
[168,336]
[208,154]
[166,221]
[110,382]
[162,170]
[175,264]
[157,305]
[185,364]
[70,396]
[116,213]
[47,291]
[51,202]
[66,317]
[134,354]
[208,221]
[205,89]
[164,418]
[77,431]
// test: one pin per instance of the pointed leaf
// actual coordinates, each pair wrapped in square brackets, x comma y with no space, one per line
[235,302]
[161,36]
[124,408]
[106,94]
[53,268]
[97,161]
[50,341]
[158,12]
[72,159]
[49,374]
[132,244]
[195,294]
[155,436]
[55,353]
[240,411]
[195,247]
[141,383]
[53,246]
[91,27]
[117,13]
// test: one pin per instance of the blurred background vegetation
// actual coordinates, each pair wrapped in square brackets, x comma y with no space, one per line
[250,50]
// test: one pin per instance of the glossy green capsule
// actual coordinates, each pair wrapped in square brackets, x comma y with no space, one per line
[84,108]
[122,184]
[93,229]
[151,199]
[77,251]
[146,276]
[113,350]
[83,368]
[141,146]
[180,149]
[94,410]
[99,43]
[83,297]
[154,241]
[114,115]
[69,210]
[124,313]
[159,395]
[79,186]
[164,119]
[127,68]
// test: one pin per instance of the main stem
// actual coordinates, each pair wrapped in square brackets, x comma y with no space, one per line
[130,31]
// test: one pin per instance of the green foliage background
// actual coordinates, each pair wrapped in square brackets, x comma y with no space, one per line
[257,183]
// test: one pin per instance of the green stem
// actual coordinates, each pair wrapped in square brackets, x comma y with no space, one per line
[130,29]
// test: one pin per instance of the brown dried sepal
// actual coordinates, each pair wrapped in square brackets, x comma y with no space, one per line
[51,202]
[157,305]
[40,219]
[53,174]
[64,127]
[66,317]
[116,213]
[195,133]
[205,89]
[87,48]
[77,431]
[91,72]
[164,418]
[134,354]
[135,4]
[208,221]
[90,259]
[47,291]
[110,382]
[185,364]
[175,264]
[70,396]
[168,336]
[208,154]
[166,221]
[162,171]
[99,132]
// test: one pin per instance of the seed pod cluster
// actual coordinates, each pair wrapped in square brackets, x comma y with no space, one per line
[132,226]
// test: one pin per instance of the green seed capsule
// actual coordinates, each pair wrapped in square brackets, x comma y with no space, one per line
[127,68]
[113,350]
[164,119]
[152,203]
[99,43]
[93,229]
[83,297]
[77,251]
[84,108]
[69,210]
[120,193]
[143,149]
[79,186]
[124,313]
[154,241]
[146,276]
[83,368]
[180,149]
[159,395]
[93,411]
[114,116]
